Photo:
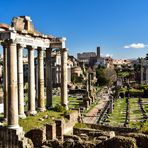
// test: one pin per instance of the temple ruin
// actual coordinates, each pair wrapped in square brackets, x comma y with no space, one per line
[14,38]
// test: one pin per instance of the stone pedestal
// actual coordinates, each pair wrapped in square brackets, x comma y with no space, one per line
[41,99]
[86,103]
[64,96]
[12,87]
[20,82]
[59,129]
[111,105]
[50,131]
[48,78]
[31,84]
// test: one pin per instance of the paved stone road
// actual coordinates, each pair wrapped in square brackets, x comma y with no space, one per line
[93,114]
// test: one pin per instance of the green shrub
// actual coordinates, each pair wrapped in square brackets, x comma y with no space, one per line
[59,108]
[135,92]
[80,125]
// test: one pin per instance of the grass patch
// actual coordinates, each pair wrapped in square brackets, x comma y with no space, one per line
[118,115]
[80,125]
[1,115]
[34,121]
[144,127]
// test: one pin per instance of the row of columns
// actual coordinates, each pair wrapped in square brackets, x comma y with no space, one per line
[14,86]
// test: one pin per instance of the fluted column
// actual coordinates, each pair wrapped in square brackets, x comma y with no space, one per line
[48,78]
[31,84]
[20,82]
[41,99]
[64,96]
[5,82]
[12,87]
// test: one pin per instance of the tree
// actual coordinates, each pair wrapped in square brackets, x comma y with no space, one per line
[105,76]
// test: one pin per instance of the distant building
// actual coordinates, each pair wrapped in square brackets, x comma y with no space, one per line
[89,58]
[119,62]
[95,59]
[86,57]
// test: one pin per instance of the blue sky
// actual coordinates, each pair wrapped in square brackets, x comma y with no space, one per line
[119,27]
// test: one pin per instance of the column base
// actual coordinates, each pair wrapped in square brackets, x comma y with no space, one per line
[4,120]
[65,106]
[49,107]
[15,127]
[32,112]
[23,116]
[41,109]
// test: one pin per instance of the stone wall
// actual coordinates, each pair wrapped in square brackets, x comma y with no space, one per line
[112,128]
[141,139]
[76,142]
[14,139]
[38,136]
[73,119]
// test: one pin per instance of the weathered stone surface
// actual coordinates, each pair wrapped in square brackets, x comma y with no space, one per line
[50,131]
[23,23]
[37,136]
[10,138]
[118,142]
[141,139]
[69,143]
[74,137]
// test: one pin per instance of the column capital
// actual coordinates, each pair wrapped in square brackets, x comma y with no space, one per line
[49,49]
[7,43]
[4,44]
[31,47]
[21,46]
[64,49]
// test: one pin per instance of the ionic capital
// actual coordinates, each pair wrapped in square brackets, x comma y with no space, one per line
[64,49]
[31,47]
[21,46]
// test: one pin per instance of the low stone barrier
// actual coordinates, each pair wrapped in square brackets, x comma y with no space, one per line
[112,128]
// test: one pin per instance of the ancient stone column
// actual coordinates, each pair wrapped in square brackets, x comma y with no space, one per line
[64,97]
[59,74]
[41,99]
[142,74]
[12,87]
[89,83]
[48,78]
[20,82]
[5,82]
[31,84]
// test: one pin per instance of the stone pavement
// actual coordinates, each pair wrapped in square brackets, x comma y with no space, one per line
[93,115]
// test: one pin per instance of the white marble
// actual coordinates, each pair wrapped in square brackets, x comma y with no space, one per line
[1,108]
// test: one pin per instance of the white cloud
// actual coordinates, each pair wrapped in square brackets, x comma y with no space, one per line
[109,55]
[136,45]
